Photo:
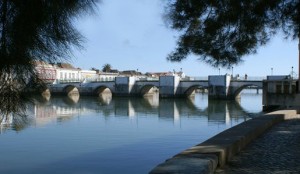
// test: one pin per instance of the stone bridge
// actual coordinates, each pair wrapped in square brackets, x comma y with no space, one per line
[219,87]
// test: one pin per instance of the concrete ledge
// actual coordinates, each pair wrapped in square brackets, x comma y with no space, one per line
[193,164]
[216,151]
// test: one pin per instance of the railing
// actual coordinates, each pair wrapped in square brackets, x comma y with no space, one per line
[199,78]
[251,78]
[69,81]
[147,79]
[100,79]
[194,78]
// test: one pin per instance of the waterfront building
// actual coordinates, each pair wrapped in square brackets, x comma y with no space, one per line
[88,75]
[67,73]
[158,74]
[107,76]
[46,71]
[169,73]
[129,73]
[133,73]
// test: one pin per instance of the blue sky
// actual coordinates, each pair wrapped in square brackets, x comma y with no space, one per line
[131,35]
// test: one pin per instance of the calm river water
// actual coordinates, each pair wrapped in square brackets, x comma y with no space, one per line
[114,135]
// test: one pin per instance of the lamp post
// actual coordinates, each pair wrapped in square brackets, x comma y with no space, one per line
[292,72]
[232,70]
[219,72]
[271,71]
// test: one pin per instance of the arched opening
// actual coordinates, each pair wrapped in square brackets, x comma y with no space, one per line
[255,89]
[195,89]
[250,97]
[103,91]
[45,92]
[149,90]
[71,90]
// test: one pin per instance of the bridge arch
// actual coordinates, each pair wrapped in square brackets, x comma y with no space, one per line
[191,90]
[148,90]
[102,90]
[238,91]
[71,90]
[44,91]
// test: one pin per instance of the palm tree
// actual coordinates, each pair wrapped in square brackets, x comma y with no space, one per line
[106,68]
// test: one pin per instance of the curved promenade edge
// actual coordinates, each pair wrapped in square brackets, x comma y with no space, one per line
[218,150]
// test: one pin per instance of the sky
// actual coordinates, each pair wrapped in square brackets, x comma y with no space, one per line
[132,35]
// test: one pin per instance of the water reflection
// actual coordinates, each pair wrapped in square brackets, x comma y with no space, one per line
[59,109]
[13,111]
[71,99]
[14,121]
[91,134]
[220,111]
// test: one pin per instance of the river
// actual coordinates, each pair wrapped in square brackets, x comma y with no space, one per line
[114,135]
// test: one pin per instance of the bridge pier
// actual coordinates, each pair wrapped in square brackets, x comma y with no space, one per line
[124,86]
[219,87]
[169,86]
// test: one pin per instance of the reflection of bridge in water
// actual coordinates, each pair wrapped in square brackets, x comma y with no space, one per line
[64,108]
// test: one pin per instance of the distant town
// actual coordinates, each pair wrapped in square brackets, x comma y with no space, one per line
[52,73]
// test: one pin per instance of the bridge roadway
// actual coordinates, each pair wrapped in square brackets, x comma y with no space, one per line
[219,87]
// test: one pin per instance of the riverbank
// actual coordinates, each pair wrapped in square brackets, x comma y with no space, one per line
[218,150]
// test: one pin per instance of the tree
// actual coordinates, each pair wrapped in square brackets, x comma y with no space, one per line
[106,68]
[35,30]
[221,32]
[94,69]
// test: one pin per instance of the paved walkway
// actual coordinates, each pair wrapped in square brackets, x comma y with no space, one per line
[275,152]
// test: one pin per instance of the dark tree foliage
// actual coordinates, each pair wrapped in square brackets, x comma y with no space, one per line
[221,32]
[34,30]
[106,68]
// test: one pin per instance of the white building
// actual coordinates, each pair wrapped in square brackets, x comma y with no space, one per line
[46,71]
[88,75]
[67,73]
[107,76]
